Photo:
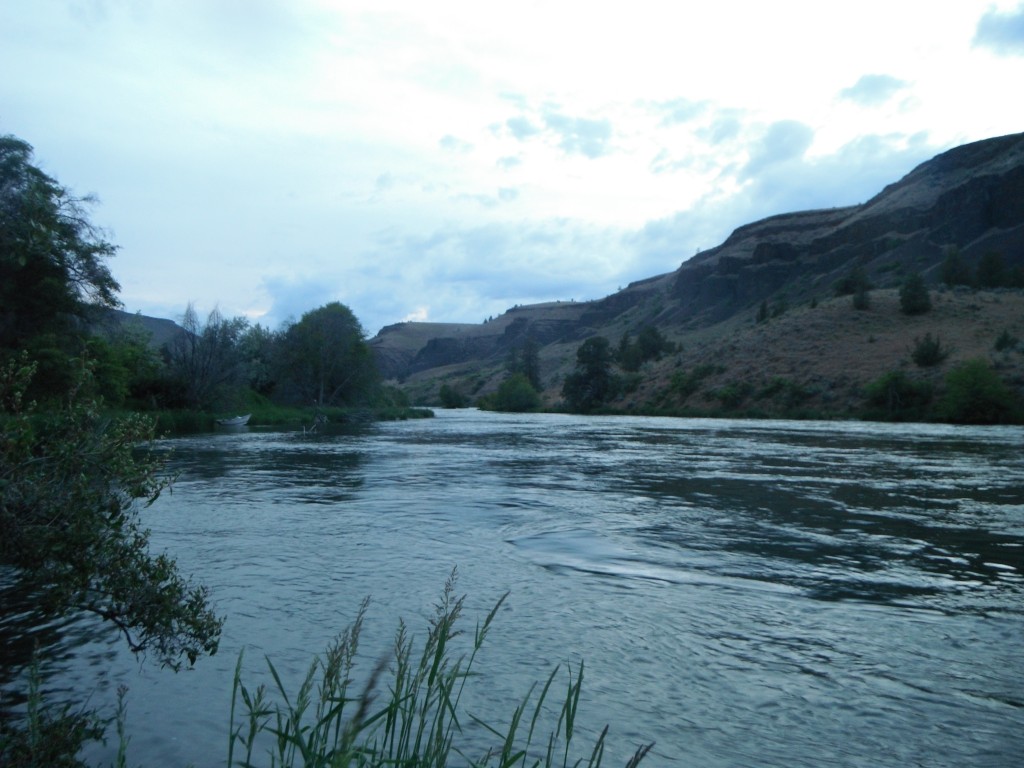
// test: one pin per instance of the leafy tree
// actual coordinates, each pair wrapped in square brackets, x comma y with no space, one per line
[71,484]
[914,297]
[451,397]
[992,271]
[205,357]
[650,344]
[53,271]
[515,395]
[257,349]
[326,360]
[592,383]
[526,360]
[954,270]
[976,395]
[897,397]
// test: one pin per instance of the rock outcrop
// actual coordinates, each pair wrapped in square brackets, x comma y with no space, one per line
[970,198]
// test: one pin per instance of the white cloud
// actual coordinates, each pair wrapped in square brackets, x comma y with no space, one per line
[266,157]
[1002,32]
[872,90]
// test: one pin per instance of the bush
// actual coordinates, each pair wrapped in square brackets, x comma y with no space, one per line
[914,298]
[976,395]
[1005,341]
[515,395]
[928,351]
[896,397]
[452,398]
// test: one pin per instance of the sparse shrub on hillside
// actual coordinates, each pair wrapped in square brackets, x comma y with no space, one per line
[976,395]
[733,394]
[762,312]
[992,271]
[928,351]
[862,299]
[954,270]
[914,297]
[852,283]
[685,383]
[896,397]
[1005,341]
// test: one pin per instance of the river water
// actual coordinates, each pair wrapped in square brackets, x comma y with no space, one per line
[743,593]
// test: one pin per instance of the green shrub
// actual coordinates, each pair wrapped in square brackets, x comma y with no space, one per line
[452,398]
[976,395]
[515,395]
[1005,341]
[928,351]
[896,397]
[914,297]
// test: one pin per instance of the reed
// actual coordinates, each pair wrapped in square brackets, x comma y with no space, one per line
[419,722]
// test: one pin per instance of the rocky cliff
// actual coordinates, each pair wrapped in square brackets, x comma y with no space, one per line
[970,198]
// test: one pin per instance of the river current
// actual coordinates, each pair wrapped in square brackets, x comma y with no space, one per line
[743,593]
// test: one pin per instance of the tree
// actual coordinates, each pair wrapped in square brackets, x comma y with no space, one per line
[71,484]
[992,272]
[914,297]
[515,395]
[326,359]
[205,357]
[976,395]
[53,273]
[954,270]
[525,359]
[592,383]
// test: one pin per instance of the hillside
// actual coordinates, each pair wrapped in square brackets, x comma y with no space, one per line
[970,199]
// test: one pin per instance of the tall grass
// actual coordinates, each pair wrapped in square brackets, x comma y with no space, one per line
[419,720]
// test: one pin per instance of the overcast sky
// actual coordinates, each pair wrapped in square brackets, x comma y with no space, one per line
[445,161]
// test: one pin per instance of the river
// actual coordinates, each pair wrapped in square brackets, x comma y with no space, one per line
[743,593]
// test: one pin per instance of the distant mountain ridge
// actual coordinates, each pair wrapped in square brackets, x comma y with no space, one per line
[970,198]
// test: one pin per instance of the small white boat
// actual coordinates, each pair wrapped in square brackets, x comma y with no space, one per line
[235,421]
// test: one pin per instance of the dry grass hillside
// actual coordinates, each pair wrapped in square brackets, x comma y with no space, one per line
[817,361]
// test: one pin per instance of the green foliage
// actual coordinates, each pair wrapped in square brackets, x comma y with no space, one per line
[452,398]
[324,359]
[515,395]
[685,384]
[733,394]
[592,383]
[954,270]
[204,357]
[70,486]
[992,271]
[1005,341]
[650,344]
[896,397]
[856,280]
[976,395]
[914,297]
[53,272]
[50,737]
[420,722]
[928,351]
[525,360]
[762,312]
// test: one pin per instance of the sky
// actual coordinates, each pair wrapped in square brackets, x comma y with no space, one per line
[445,161]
